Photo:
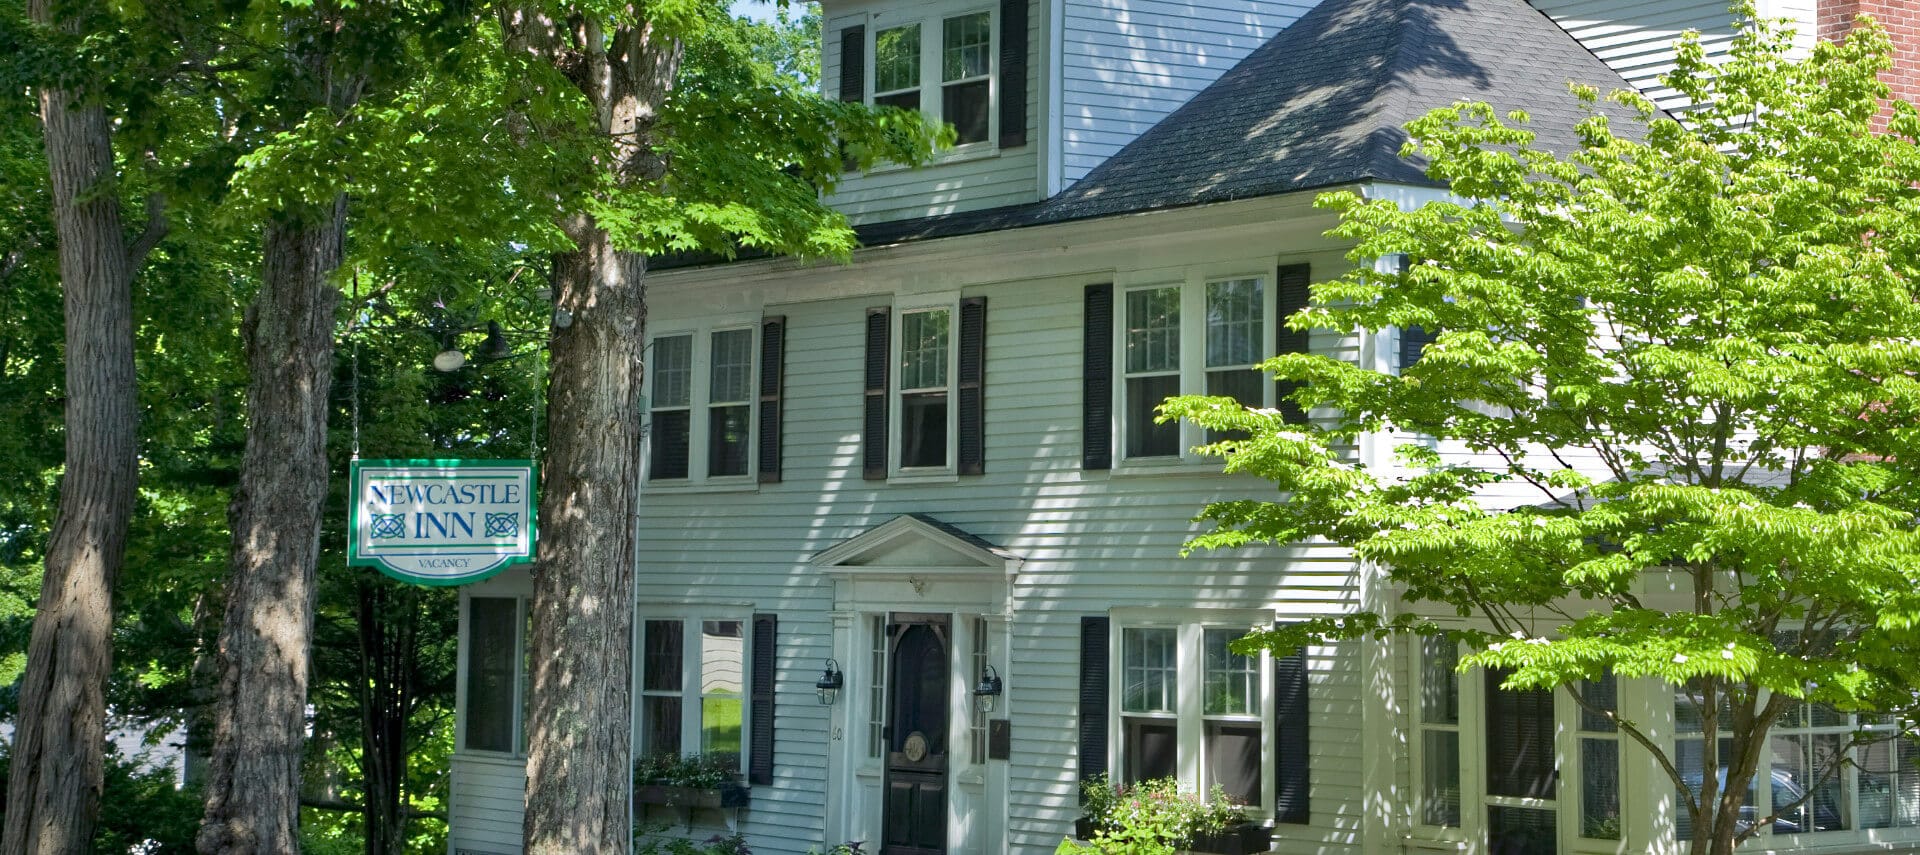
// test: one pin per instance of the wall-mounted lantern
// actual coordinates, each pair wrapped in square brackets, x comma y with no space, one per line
[830,682]
[988,691]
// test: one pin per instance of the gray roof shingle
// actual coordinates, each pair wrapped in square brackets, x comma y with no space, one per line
[1324,103]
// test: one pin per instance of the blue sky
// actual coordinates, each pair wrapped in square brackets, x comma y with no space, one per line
[758,10]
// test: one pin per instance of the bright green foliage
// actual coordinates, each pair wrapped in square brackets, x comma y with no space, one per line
[1151,817]
[1689,349]
[750,145]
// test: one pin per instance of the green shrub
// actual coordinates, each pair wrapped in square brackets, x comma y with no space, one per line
[1151,817]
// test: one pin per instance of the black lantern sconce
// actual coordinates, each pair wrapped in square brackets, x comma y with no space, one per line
[988,691]
[830,683]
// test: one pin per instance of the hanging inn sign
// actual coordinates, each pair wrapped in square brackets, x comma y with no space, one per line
[441,522]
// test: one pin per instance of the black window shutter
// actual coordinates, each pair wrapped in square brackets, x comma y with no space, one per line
[1096,392]
[853,64]
[760,704]
[1290,295]
[1413,343]
[973,372]
[773,365]
[879,346]
[1093,696]
[1013,73]
[1290,784]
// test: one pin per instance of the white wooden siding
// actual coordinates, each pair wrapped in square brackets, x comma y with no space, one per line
[486,803]
[1635,37]
[1091,541]
[1126,64]
[967,183]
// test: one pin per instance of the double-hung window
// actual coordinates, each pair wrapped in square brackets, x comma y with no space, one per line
[1200,336]
[1192,709]
[926,356]
[951,56]
[693,686]
[702,405]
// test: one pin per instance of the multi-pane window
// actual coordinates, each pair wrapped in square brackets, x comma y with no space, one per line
[1150,745]
[896,67]
[1236,340]
[977,721]
[1231,707]
[952,55]
[692,681]
[496,675]
[1152,369]
[1202,337]
[1194,710]
[1599,746]
[701,405]
[877,690]
[672,430]
[966,75]
[1439,732]
[730,403]
[926,350]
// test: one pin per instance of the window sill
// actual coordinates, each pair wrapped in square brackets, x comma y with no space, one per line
[730,485]
[1148,466]
[491,758]
[918,476]
[958,154]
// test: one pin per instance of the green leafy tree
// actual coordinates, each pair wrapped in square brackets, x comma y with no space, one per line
[1693,345]
[686,140]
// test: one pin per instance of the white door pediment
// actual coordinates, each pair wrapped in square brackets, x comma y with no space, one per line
[919,546]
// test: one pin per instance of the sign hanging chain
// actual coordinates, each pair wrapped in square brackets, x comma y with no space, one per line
[539,399]
[354,346]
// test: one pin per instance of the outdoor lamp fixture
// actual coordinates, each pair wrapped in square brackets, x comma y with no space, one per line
[988,690]
[449,358]
[495,347]
[830,682]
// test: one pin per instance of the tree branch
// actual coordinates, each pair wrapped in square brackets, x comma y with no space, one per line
[150,237]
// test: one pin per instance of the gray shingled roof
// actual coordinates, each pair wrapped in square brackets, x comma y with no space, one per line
[1324,102]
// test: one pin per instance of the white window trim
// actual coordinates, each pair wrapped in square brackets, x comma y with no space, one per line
[520,676]
[932,21]
[690,689]
[700,411]
[1192,282]
[896,473]
[1190,628]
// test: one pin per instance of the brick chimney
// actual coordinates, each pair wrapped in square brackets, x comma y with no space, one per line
[1901,18]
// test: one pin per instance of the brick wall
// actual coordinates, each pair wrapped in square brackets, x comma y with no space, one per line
[1901,18]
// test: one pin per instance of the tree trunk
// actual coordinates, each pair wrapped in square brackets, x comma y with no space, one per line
[53,797]
[580,722]
[253,781]
[579,782]
[388,655]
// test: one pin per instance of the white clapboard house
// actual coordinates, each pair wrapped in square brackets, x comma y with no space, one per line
[937,466]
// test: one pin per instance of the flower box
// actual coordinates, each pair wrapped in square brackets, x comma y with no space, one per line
[1246,838]
[729,794]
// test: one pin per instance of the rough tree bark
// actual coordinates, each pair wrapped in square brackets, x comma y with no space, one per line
[253,776]
[579,786]
[53,797]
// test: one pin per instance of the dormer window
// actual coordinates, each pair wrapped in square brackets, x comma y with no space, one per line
[952,55]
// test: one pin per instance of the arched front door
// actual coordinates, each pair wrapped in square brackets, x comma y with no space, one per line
[916,735]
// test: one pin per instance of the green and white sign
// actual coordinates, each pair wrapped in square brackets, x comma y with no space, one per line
[441,522]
